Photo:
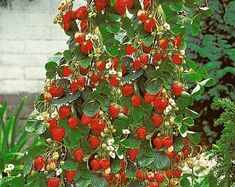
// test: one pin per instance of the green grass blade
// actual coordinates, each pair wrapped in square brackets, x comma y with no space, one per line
[4,141]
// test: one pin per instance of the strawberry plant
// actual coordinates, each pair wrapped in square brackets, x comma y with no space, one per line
[115,109]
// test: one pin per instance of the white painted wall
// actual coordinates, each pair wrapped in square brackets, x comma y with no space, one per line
[28,38]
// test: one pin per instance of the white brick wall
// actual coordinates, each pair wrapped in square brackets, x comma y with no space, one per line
[28,38]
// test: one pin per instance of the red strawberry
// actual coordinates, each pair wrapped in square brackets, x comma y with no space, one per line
[129,4]
[171,154]
[86,47]
[100,5]
[147,4]
[85,120]
[149,25]
[177,88]
[164,103]
[95,164]
[53,182]
[150,177]
[115,63]
[78,155]
[69,175]
[94,142]
[142,15]
[120,6]
[66,71]
[132,153]
[64,112]
[158,143]
[148,98]
[95,77]
[168,174]
[79,37]
[107,177]
[83,71]
[123,67]
[56,92]
[157,56]
[81,81]
[157,120]
[159,177]
[100,65]
[177,59]
[53,123]
[146,49]
[144,59]
[163,43]
[127,90]
[81,13]
[129,49]
[137,64]
[74,86]
[177,41]
[83,24]
[58,134]
[177,173]
[73,122]
[39,163]
[114,110]
[139,175]
[125,110]
[105,164]
[114,81]
[185,153]
[136,100]
[141,133]
[154,184]
[168,141]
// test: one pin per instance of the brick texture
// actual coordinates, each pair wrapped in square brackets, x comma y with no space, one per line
[28,39]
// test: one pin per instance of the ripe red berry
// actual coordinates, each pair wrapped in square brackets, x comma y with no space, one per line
[53,182]
[149,25]
[86,47]
[129,4]
[64,112]
[94,142]
[129,49]
[157,120]
[157,56]
[123,67]
[136,100]
[107,177]
[85,120]
[39,163]
[137,64]
[56,91]
[142,15]
[120,6]
[147,4]
[177,59]
[114,110]
[177,41]
[83,25]
[168,141]
[79,37]
[78,155]
[154,184]
[144,59]
[58,134]
[132,153]
[177,173]
[69,175]
[185,153]
[125,110]
[66,71]
[127,90]
[83,71]
[114,80]
[74,86]
[105,164]
[159,177]
[141,133]
[163,43]
[139,175]
[177,88]
[73,122]
[81,81]
[115,63]
[146,49]
[81,13]
[171,154]
[158,143]
[100,65]
[95,164]
[53,123]
[100,5]
[148,98]
[168,174]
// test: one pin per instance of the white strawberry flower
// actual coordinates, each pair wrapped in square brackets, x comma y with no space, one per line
[110,148]
[58,172]
[121,156]
[167,26]
[172,101]
[110,141]
[108,65]
[88,36]
[126,131]
[39,117]
[112,154]
[112,72]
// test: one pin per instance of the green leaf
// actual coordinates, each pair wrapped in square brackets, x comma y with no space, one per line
[178,143]
[115,166]
[40,127]
[145,161]
[161,160]
[131,143]
[153,86]
[98,180]
[132,76]
[194,137]
[195,24]
[178,119]
[69,165]
[183,130]
[50,66]
[68,99]
[82,182]
[67,54]
[90,108]
[188,121]
[128,26]
[229,13]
